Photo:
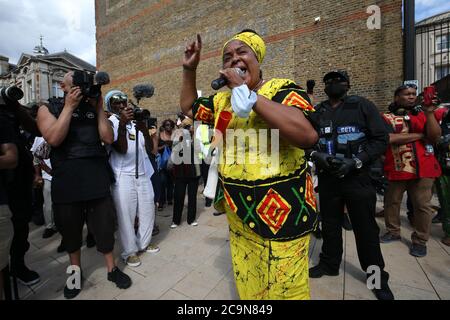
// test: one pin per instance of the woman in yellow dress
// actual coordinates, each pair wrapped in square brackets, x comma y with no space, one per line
[271,209]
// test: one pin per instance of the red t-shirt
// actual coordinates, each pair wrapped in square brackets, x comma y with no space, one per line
[412,160]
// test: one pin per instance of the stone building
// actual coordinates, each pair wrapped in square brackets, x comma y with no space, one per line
[143,41]
[39,75]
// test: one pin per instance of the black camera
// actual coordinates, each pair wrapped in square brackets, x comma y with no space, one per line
[10,94]
[141,114]
[89,84]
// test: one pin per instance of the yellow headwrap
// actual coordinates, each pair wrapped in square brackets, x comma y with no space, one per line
[254,41]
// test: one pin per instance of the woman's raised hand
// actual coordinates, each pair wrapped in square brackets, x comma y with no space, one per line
[192,54]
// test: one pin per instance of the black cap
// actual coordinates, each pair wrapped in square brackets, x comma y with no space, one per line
[337,74]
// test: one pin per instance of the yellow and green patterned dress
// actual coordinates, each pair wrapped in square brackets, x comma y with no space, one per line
[271,209]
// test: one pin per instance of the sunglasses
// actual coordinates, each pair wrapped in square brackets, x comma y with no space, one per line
[118,98]
[407,86]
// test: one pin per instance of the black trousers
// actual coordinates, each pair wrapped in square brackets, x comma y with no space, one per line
[358,194]
[20,203]
[180,192]
[166,191]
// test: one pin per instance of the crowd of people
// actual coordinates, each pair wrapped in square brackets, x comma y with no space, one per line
[97,165]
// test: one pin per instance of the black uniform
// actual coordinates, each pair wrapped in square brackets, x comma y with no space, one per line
[352,129]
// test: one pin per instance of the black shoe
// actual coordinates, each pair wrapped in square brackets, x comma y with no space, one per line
[155,230]
[121,280]
[216,214]
[319,271]
[384,293]
[61,248]
[26,276]
[347,225]
[90,241]
[437,218]
[418,250]
[48,233]
[72,293]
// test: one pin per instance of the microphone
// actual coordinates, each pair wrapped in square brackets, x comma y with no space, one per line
[143,91]
[221,82]
[102,78]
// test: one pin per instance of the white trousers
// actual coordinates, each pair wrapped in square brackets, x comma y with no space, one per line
[48,205]
[134,197]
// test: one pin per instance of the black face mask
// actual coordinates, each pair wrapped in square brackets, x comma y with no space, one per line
[336,90]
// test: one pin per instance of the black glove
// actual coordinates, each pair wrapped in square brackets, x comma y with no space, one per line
[341,167]
[321,159]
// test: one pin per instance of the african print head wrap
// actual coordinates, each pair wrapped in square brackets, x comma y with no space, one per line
[254,41]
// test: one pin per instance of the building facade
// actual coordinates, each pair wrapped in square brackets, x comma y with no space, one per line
[39,75]
[432,49]
[143,41]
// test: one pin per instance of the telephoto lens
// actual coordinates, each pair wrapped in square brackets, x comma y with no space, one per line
[11,93]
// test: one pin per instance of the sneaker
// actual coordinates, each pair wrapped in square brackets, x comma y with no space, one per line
[48,233]
[155,230]
[72,293]
[121,280]
[437,218]
[90,241]
[173,226]
[384,293]
[133,261]
[61,248]
[389,237]
[152,249]
[446,241]
[418,250]
[194,224]
[319,271]
[26,276]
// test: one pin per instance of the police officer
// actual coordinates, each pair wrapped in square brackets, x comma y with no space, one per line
[352,136]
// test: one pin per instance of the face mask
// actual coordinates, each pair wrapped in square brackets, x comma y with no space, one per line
[335,90]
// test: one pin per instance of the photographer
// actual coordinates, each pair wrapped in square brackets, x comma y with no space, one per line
[133,196]
[410,165]
[8,161]
[352,137]
[20,186]
[82,176]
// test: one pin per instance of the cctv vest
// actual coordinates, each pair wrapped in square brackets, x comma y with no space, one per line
[83,139]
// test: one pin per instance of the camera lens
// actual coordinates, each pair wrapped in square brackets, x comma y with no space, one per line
[12,93]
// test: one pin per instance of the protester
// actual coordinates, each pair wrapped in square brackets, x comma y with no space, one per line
[82,176]
[133,196]
[352,137]
[410,166]
[186,172]
[202,135]
[164,148]
[270,255]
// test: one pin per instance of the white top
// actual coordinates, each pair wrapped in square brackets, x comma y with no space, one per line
[37,142]
[126,163]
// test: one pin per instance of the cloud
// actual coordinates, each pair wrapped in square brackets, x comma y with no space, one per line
[65,25]
[428,8]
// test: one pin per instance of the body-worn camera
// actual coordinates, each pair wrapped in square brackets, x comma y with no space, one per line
[89,84]
[11,93]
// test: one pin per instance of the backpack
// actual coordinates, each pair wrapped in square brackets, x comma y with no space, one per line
[164,158]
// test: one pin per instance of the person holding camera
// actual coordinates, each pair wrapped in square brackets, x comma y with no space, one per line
[352,137]
[8,161]
[77,130]
[411,165]
[20,186]
[133,195]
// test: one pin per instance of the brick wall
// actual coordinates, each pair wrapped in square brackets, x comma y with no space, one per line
[143,41]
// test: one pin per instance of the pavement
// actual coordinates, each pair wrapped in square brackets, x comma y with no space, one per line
[195,264]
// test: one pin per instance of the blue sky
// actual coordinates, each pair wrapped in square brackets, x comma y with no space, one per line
[428,8]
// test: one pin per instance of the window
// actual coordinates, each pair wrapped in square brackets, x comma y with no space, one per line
[56,90]
[442,71]
[30,91]
[443,42]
